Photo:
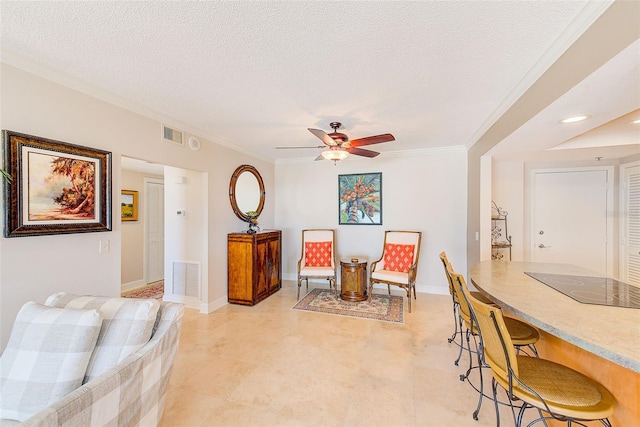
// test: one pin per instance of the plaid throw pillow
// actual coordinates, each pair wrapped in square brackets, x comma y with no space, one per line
[46,357]
[317,254]
[127,325]
[398,257]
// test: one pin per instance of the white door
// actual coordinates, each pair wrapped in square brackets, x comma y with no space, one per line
[154,220]
[630,242]
[569,221]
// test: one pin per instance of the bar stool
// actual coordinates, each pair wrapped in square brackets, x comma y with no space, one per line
[521,334]
[457,318]
[566,395]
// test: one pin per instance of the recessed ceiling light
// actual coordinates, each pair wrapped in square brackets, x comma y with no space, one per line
[574,119]
[636,122]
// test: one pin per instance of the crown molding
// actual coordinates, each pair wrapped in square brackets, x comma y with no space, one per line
[57,76]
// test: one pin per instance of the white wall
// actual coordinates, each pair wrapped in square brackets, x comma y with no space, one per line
[508,193]
[185,190]
[423,192]
[31,268]
[511,190]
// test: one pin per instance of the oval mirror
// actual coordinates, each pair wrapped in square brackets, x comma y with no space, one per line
[246,192]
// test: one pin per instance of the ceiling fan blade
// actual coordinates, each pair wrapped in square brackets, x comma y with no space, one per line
[324,137]
[307,146]
[362,152]
[318,158]
[377,139]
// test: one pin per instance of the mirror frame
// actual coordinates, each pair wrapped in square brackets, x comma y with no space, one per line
[232,191]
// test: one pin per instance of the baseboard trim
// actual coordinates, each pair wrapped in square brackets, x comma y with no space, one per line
[435,290]
[213,305]
[126,287]
[187,301]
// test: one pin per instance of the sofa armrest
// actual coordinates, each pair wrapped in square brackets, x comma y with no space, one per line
[130,394]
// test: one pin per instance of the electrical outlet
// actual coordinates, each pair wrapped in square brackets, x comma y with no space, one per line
[104,246]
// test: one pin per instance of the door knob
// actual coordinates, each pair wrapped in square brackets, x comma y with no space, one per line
[542,246]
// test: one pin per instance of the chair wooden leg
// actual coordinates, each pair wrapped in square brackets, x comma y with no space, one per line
[389,289]
[409,298]
[299,284]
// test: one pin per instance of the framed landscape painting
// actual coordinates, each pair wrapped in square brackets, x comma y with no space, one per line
[129,205]
[56,187]
[360,199]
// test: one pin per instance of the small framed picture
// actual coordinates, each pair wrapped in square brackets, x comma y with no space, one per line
[56,187]
[129,205]
[360,199]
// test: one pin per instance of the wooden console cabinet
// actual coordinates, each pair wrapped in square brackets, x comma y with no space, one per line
[254,266]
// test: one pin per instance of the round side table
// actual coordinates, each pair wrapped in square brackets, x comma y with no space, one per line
[353,279]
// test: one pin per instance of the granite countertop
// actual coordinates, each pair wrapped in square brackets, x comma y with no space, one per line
[610,332]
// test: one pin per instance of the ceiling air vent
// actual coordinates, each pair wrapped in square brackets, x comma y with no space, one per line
[172,135]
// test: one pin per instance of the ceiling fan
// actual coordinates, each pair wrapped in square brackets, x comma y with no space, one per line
[338,144]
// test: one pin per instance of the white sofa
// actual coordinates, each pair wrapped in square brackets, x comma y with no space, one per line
[130,393]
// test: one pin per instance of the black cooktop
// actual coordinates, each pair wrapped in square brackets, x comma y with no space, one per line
[592,290]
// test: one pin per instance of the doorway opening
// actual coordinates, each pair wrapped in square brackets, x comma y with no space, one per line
[171,229]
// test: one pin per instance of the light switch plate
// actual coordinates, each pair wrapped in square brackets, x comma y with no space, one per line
[104,246]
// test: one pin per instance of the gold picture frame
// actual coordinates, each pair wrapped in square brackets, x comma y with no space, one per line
[129,205]
[56,187]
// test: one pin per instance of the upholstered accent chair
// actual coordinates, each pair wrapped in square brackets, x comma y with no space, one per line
[398,264]
[318,257]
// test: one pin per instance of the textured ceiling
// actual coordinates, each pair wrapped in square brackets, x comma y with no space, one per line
[256,74]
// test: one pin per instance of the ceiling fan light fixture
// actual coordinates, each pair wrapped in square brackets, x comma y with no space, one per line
[335,155]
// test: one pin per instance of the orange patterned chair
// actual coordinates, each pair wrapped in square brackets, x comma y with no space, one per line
[318,257]
[398,264]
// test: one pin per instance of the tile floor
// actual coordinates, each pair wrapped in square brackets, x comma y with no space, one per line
[269,365]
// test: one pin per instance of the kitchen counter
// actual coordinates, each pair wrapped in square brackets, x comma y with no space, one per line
[602,342]
[612,333]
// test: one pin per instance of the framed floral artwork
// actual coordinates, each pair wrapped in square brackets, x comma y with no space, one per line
[56,187]
[360,199]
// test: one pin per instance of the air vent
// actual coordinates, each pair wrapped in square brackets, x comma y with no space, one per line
[186,279]
[172,135]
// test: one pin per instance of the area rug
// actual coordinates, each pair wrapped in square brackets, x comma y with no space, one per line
[154,290]
[387,308]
